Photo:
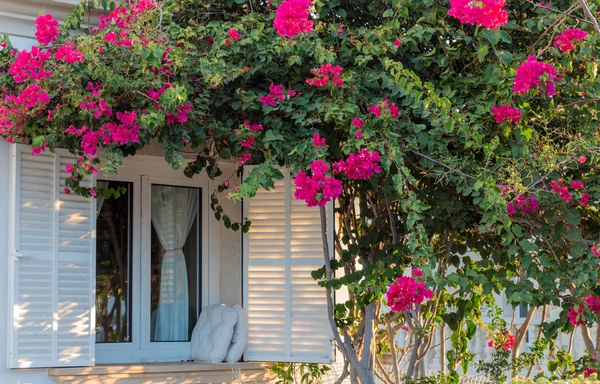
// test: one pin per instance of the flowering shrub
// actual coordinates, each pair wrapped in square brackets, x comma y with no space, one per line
[403,133]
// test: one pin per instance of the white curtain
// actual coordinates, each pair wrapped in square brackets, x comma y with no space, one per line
[174,211]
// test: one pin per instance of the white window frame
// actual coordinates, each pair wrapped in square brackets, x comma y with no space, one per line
[143,171]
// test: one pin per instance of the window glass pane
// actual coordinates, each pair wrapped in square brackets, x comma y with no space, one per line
[175,262]
[113,261]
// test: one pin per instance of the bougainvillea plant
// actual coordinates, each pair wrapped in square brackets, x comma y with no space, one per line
[460,138]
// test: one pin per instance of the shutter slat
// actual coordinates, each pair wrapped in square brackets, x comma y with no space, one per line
[52,302]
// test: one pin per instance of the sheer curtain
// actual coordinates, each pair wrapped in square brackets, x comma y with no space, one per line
[174,210]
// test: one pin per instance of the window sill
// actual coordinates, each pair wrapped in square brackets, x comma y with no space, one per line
[164,373]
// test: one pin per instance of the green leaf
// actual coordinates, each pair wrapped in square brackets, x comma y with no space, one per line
[573,216]
[482,52]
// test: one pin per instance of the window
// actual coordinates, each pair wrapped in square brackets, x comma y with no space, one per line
[113,265]
[150,288]
[175,268]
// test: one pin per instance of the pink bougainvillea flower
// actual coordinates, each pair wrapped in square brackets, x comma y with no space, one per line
[110,37]
[67,191]
[358,134]
[576,315]
[360,166]
[68,54]
[593,303]
[46,30]
[69,168]
[234,34]
[503,341]
[405,293]
[357,122]
[276,94]
[522,204]
[30,65]
[585,199]
[565,40]
[245,158]
[248,143]
[486,13]
[317,189]
[375,109]
[416,272]
[37,150]
[510,209]
[505,112]
[562,191]
[394,110]
[596,250]
[588,372]
[533,74]
[577,185]
[93,192]
[292,18]
[582,159]
[397,43]
[319,141]
[325,74]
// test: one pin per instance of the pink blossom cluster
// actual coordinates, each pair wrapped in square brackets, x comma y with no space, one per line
[588,372]
[68,54]
[30,97]
[322,76]
[100,108]
[504,341]
[535,74]
[245,157]
[125,132]
[405,293]
[317,189]
[275,95]
[563,191]
[319,141]
[392,108]
[124,18]
[522,204]
[565,40]
[486,13]
[576,315]
[292,18]
[46,30]
[593,303]
[359,166]
[234,35]
[30,65]
[182,114]
[94,88]
[596,250]
[253,127]
[505,112]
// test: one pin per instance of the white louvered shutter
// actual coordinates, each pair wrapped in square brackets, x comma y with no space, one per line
[52,265]
[287,309]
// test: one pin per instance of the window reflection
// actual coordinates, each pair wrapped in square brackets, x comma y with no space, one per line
[113,262]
